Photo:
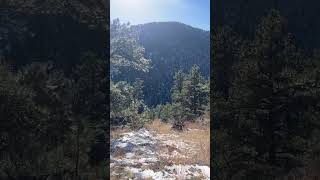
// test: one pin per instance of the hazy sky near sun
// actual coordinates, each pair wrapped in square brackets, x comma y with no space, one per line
[192,12]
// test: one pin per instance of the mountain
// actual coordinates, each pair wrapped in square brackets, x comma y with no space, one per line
[87,11]
[171,46]
[243,15]
[44,31]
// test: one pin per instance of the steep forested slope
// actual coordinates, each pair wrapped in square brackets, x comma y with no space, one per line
[51,30]
[171,46]
[243,15]
[90,11]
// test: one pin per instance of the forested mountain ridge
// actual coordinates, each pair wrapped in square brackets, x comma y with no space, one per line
[159,81]
[144,88]
[89,11]
[170,46]
[51,30]
[243,15]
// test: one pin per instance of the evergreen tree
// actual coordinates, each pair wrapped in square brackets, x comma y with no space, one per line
[225,52]
[127,106]
[20,119]
[125,52]
[177,86]
[194,92]
[264,126]
[190,96]
[89,106]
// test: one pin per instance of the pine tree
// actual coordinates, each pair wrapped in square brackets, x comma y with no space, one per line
[225,52]
[127,105]
[194,92]
[89,105]
[190,96]
[125,52]
[177,87]
[265,125]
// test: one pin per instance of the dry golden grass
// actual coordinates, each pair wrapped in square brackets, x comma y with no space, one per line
[159,127]
[197,135]
[116,133]
[201,139]
[198,155]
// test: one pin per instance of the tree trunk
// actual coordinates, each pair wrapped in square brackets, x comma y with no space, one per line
[77,152]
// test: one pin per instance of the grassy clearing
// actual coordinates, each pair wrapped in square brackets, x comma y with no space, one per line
[197,135]
[189,147]
[159,127]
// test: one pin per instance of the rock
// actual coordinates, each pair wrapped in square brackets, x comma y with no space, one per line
[143,158]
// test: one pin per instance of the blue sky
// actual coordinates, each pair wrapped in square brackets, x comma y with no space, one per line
[192,12]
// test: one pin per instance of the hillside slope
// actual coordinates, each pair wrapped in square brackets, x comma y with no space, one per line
[170,46]
[35,31]
[244,15]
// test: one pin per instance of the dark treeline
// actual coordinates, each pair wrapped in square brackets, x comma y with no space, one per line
[265,100]
[244,15]
[53,90]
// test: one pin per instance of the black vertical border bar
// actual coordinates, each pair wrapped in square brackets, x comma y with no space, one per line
[107,26]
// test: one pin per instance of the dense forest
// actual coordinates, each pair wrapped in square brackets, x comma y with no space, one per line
[54,90]
[166,80]
[159,87]
[170,46]
[54,86]
[265,92]
[244,15]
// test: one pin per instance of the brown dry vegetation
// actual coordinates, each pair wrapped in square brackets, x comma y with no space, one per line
[159,127]
[117,132]
[197,134]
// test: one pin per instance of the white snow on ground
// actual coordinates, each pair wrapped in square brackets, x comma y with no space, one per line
[136,155]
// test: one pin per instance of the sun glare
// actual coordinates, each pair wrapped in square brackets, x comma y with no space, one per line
[137,10]
[146,11]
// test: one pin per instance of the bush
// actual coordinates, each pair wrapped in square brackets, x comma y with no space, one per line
[172,113]
[163,112]
[127,106]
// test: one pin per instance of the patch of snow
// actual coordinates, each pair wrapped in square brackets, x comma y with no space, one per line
[149,173]
[148,160]
[142,157]
[121,145]
[189,171]
[129,155]
[205,170]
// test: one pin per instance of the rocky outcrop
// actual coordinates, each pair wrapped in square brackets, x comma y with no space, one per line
[140,154]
